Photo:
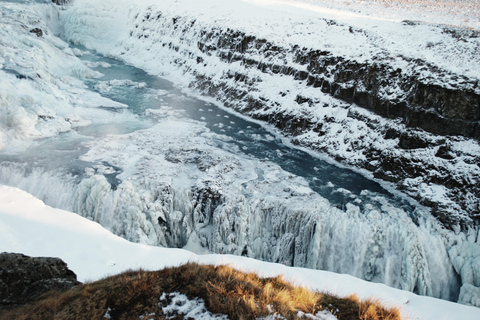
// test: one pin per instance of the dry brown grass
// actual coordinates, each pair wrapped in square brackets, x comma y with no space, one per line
[224,290]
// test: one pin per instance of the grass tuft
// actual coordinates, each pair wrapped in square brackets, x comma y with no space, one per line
[225,291]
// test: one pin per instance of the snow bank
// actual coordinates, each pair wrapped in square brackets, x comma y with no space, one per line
[28,226]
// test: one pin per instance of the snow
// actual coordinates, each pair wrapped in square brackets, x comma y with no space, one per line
[30,227]
[282,22]
[41,89]
[189,309]
[462,13]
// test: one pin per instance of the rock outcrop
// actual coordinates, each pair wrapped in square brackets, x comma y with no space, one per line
[24,279]
[60,2]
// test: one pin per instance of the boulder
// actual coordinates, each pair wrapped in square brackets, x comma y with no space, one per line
[24,279]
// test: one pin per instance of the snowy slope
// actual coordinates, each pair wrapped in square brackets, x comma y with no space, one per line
[28,226]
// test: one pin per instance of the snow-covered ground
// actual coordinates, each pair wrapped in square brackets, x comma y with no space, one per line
[30,227]
[460,13]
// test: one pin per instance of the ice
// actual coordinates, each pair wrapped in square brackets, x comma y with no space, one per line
[96,64]
[469,295]
[41,94]
[465,255]
[106,86]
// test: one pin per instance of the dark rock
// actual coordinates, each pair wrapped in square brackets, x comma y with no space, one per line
[445,153]
[60,2]
[24,279]
[162,222]
[392,134]
[45,117]
[300,99]
[37,31]
[411,140]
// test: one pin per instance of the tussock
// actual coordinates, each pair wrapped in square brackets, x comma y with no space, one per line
[225,291]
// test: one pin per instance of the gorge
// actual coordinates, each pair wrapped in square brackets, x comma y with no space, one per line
[357,155]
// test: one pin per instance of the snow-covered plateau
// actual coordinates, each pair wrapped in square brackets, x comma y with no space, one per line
[395,100]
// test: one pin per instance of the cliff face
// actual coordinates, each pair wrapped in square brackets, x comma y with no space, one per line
[444,104]
[406,120]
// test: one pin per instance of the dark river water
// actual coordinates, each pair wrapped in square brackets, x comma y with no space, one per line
[251,138]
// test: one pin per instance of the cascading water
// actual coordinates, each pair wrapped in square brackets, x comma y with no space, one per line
[163,168]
